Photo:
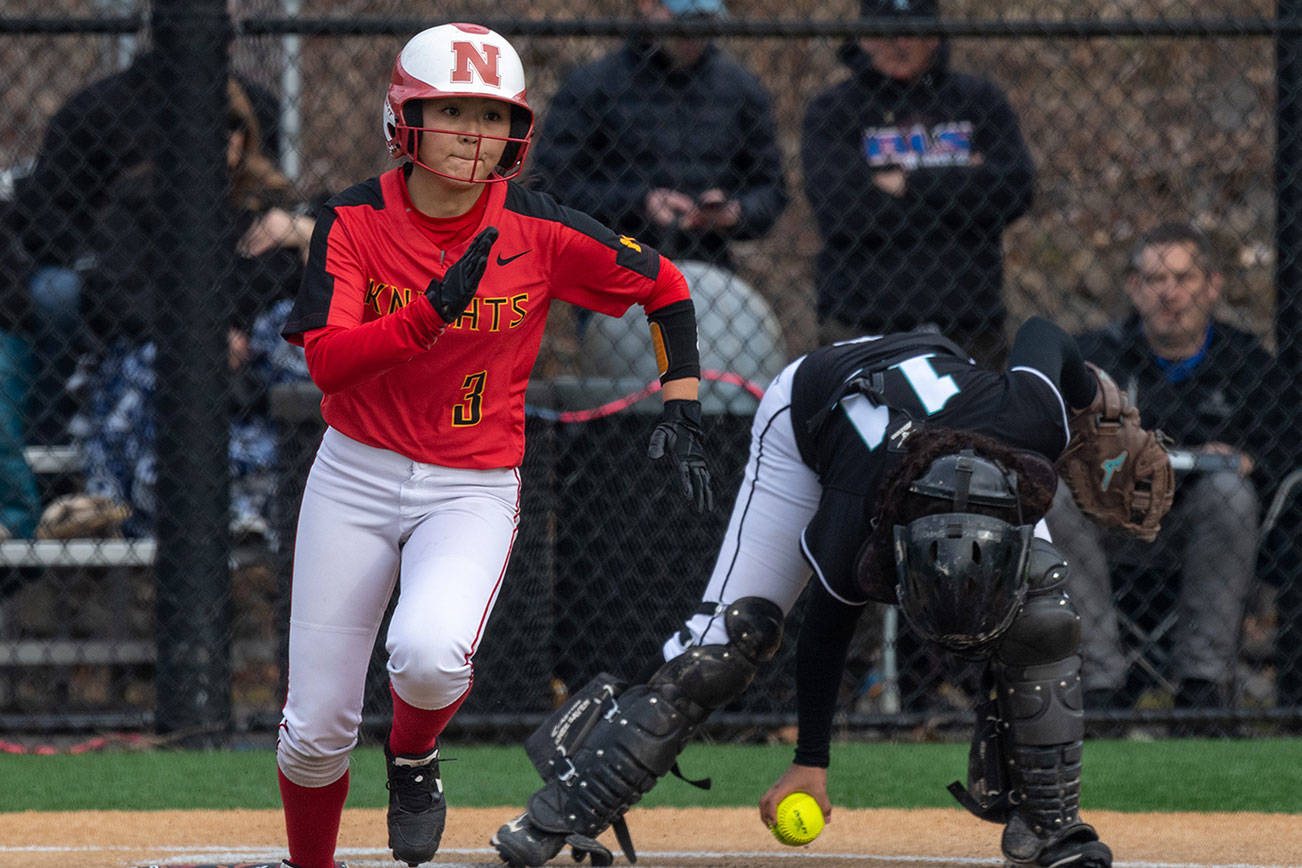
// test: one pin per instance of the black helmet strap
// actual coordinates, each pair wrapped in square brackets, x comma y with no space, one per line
[963,479]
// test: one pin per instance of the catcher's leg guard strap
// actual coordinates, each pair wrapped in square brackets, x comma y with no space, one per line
[987,794]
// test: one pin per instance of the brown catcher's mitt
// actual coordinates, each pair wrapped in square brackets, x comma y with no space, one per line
[1119,474]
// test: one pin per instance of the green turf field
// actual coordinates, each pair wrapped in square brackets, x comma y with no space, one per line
[1178,775]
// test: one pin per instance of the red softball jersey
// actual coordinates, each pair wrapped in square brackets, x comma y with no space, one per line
[395,376]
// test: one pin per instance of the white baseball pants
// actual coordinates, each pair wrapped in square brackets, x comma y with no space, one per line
[368,517]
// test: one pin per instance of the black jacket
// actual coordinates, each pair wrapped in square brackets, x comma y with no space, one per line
[88,201]
[1234,395]
[932,255]
[628,123]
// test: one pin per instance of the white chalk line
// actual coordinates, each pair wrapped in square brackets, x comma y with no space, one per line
[359,857]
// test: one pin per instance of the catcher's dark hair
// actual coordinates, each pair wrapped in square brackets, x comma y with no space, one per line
[1176,232]
[900,506]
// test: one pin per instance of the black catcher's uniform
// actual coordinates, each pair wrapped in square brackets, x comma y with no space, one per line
[924,380]
[828,433]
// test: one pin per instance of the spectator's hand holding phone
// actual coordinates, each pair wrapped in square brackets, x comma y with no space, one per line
[714,210]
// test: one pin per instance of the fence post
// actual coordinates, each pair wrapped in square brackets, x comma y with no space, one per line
[1288,188]
[191,38]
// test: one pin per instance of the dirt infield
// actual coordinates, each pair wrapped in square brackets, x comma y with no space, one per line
[730,838]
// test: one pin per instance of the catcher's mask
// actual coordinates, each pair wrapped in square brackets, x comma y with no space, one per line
[962,563]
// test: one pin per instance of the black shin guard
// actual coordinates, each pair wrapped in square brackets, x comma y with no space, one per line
[1025,769]
[1043,747]
[602,751]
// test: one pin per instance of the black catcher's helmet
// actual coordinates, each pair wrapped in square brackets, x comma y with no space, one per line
[961,562]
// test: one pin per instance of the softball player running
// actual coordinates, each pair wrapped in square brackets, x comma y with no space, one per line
[421,313]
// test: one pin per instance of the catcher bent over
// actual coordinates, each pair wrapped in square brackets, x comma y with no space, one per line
[892,469]
[421,312]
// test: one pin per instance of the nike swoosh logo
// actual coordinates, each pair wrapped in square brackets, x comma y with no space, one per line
[509,259]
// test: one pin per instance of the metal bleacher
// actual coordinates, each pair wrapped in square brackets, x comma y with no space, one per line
[33,559]
[66,460]
[111,578]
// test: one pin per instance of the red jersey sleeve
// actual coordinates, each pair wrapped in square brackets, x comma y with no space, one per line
[339,358]
[597,269]
[344,347]
[670,287]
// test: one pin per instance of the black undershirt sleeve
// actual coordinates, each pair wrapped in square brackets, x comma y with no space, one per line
[821,647]
[1042,345]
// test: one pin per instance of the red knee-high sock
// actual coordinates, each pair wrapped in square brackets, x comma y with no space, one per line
[416,729]
[312,820]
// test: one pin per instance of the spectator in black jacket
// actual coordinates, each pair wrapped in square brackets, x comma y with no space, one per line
[89,192]
[669,141]
[1206,385]
[913,171]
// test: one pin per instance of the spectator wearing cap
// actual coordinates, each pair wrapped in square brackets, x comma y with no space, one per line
[667,140]
[913,172]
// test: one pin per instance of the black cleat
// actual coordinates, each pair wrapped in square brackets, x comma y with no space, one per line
[417,810]
[521,844]
[1079,847]
[1091,854]
[1078,854]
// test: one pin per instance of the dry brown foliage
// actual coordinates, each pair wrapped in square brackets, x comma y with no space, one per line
[1125,131]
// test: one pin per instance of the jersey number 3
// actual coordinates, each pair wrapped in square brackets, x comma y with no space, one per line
[470,410]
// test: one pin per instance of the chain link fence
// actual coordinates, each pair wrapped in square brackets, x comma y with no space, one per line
[830,175]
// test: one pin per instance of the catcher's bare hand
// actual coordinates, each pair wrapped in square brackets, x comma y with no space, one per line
[1119,474]
[678,435]
[796,779]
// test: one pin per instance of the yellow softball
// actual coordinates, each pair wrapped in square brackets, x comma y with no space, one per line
[799,820]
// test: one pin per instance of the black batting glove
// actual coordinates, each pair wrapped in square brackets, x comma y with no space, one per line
[452,294]
[678,434]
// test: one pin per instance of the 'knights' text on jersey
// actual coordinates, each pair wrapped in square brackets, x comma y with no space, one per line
[394,377]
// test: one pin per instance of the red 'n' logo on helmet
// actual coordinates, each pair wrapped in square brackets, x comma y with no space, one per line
[485,64]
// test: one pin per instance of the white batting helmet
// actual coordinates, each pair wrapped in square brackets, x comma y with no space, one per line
[457,60]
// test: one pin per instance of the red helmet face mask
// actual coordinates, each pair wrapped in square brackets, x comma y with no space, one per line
[457,60]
